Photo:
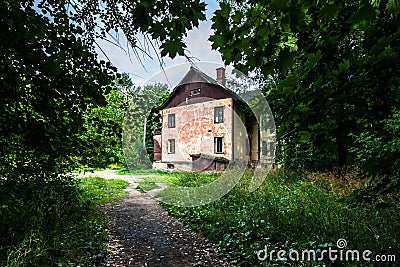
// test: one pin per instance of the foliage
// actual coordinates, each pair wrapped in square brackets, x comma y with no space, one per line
[104,130]
[141,22]
[104,124]
[142,113]
[290,211]
[55,221]
[193,179]
[48,77]
[332,68]
[378,151]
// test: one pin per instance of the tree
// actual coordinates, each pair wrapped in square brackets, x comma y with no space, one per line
[48,76]
[49,72]
[104,130]
[141,21]
[141,118]
[332,66]
[105,124]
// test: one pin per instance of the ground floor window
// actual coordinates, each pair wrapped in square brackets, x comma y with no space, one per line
[219,145]
[171,146]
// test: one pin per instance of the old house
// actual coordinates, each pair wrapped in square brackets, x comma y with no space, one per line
[205,126]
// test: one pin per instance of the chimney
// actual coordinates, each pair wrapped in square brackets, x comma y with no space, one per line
[221,76]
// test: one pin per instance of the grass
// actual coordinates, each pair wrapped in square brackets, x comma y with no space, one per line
[149,182]
[86,168]
[99,190]
[63,226]
[152,177]
[291,211]
[144,187]
[126,171]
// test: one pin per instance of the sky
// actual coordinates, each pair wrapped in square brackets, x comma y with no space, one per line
[196,40]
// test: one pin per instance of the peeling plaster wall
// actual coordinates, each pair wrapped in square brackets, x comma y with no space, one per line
[240,150]
[195,130]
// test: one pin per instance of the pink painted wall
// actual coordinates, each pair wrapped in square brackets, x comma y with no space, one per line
[195,130]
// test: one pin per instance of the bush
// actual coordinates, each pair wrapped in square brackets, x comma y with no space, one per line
[54,220]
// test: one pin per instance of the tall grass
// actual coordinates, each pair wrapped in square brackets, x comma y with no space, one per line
[55,221]
[291,211]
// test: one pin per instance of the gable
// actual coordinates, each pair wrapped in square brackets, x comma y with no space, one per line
[196,87]
[189,93]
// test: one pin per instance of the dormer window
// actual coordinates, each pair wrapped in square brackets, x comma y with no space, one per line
[195,92]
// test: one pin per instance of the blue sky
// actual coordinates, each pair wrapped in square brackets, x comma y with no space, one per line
[197,45]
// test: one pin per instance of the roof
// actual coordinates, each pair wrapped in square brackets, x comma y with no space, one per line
[196,75]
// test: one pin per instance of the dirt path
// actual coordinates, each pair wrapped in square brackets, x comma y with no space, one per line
[143,234]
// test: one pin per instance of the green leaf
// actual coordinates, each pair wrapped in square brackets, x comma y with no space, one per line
[158,31]
[285,60]
[172,48]
[365,13]
[304,136]
[329,12]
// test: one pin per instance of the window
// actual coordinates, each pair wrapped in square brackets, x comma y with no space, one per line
[219,145]
[264,148]
[171,146]
[171,120]
[219,114]
[195,91]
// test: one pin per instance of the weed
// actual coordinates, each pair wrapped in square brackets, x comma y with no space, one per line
[55,220]
[292,211]
[143,187]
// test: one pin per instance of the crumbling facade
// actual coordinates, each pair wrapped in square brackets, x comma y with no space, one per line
[205,126]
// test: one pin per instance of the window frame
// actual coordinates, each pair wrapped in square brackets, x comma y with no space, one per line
[171,146]
[219,115]
[195,91]
[216,145]
[171,120]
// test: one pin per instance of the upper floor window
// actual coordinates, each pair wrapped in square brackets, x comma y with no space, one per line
[171,120]
[219,114]
[195,91]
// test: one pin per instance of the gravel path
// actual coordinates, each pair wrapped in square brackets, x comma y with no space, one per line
[143,234]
